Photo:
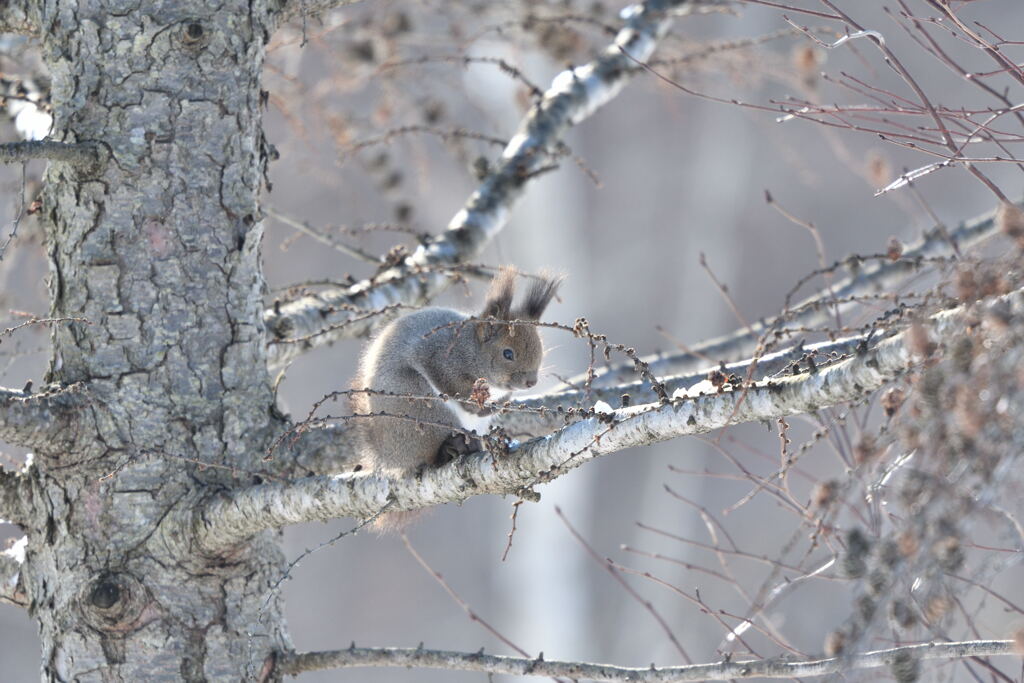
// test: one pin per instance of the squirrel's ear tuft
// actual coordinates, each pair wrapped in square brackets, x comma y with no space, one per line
[540,294]
[498,303]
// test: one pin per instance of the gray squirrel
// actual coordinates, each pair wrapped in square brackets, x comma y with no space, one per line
[439,351]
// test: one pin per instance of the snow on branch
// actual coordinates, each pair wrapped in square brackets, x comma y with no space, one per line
[536,415]
[575,94]
[11,588]
[233,517]
[874,277]
[779,667]
[42,420]
[85,155]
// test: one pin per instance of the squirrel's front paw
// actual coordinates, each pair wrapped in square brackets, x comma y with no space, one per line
[455,446]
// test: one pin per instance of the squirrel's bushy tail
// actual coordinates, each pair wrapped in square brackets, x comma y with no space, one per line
[395,522]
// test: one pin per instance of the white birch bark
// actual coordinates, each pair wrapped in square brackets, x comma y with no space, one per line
[717,671]
[231,519]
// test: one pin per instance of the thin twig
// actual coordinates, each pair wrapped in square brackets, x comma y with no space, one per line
[305,229]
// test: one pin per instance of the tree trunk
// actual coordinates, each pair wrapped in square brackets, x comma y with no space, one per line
[148,503]
[159,251]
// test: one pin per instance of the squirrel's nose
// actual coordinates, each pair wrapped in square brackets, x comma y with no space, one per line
[530,383]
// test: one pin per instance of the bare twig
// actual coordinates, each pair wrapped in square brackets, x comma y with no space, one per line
[512,532]
[611,569]
[879,276]
[473,616]
[19,214]
[323,238]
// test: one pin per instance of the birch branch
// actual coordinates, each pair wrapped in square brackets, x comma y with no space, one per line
[11,587]
[323,449]
[531,421]
[43,421]
[326,448]
[85,155]
[575,94]
[872,278]
[233,517]
[295,663]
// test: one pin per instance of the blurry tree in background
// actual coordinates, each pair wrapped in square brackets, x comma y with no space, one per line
[850,500]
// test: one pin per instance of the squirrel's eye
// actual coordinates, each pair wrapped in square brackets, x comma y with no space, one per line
[509,354]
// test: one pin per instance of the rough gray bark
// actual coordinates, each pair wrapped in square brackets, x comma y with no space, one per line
[15,17]
[13,491]
[42,419]
[159,251]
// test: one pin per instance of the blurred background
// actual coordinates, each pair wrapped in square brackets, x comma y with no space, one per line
[375,112]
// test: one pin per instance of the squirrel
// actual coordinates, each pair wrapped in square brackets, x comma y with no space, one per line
[443,353]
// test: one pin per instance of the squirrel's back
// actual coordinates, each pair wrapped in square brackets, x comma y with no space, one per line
[394,364]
